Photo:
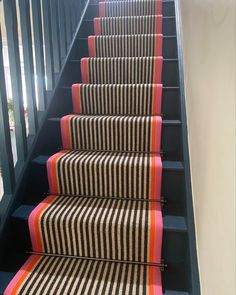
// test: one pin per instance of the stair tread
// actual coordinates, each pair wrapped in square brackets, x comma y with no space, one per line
[164,1]
[137,16]
[85,226]
[98,36]
[89,20]
[164,122]
[6,277]
[170,223]
[151,57]
[68,88]
[167,165]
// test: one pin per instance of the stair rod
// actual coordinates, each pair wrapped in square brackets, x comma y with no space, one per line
[68,88]
[161,200]
[161,265]
[161,153]
[162,115]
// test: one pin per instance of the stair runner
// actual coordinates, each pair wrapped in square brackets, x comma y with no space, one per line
[100,229]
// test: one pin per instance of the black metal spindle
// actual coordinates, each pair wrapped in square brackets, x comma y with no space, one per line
[73,15]
[38,50]
[6,158]
[55,36]
[62,28]
[28,65]
[16,78]
[53,25]
[46,7]
[77,12]
[68,24]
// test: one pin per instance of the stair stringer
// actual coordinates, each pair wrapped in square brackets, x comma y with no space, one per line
[193,261]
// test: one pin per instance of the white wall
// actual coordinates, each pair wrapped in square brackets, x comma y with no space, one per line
[208,31]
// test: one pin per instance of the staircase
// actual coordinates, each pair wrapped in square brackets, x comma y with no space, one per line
[104,205]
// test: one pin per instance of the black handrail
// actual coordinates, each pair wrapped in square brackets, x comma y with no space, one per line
[44,30]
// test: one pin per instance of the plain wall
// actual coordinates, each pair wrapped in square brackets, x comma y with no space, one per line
[208,35]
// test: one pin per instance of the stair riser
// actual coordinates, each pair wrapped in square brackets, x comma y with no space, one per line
[169,73]
[174,246]
[174,243]
[168,27]
[125,46]
[174,193]
[129,240]
[111,133]
[169,49]
[170,103]
[170,140]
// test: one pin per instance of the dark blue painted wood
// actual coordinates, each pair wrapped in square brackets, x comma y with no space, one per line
[74,13]
[5,278]
[55,36]
[28,65]
[46,7]
[60,104]
[56,106]
[15,70]
[192,263]
[62,28]
[6,158]
[38,50]
[68,24]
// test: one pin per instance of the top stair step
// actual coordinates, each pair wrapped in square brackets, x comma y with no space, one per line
[129,8]
[167,8]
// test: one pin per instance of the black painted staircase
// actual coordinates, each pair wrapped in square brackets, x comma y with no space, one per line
[178,250]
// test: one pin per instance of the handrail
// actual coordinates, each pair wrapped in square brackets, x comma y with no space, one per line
[42,32]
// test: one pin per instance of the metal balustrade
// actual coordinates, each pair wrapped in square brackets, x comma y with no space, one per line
[42,32]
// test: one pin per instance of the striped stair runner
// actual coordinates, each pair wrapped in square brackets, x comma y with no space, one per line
[125,45]
[121,70]
[100,229]
[117,99]
[128,25]
[130,8]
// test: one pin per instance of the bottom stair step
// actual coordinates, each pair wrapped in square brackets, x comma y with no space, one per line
[57,275]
